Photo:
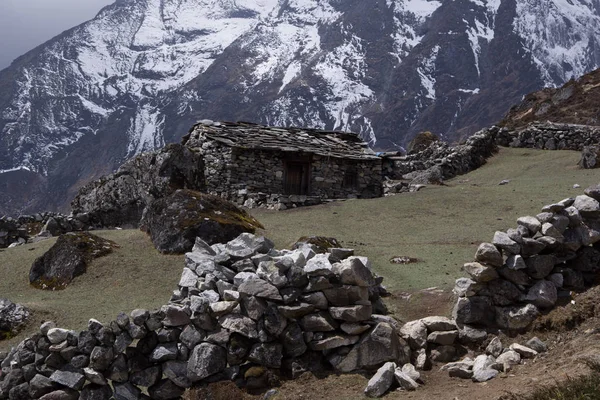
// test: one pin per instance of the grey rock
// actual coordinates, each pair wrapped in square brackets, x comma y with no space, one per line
[293,341]
[165,390]
[164,352]
[460,372]
[543,294]
[524,351]
[118,370]
[381,381]
[502,292]
[550,230]
[222,307]
[481,368]
[101,358]
[267,354]
[531,223]
[508,359]
[254,307]
[57,335]
[206,360]
[519,277]
[536,344]
[437,323]
[40,385]
[188,279]
[140,316]
[404,381]
[411,371]
[126,391]
[445,338]
[268,271]
[515,262]
[317,299]
[516,317]
[480,272]
[319,265]
[63,394]
[587,206]
[352,313]
[176,371]
[318,322]
[531,247]
[466,287]
[353,271]
[415,333]
[468,334]
[540,266]
[176,315]
[69,377]
[376,347]
[494,348]
[94,376]
[504,242]
[95,392]
[240,324]
[246,245]
[489,254]
[147,377]
[259,288]
[346,295]
[333,341]
[473,310]
[296,311]
[443,353]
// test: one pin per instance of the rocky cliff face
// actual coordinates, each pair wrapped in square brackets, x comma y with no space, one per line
[140,73]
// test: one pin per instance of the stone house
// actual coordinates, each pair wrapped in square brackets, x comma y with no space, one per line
[256,165]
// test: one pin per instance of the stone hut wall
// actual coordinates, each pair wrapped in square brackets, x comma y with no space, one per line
[237,174]
[526,270]
[241,309]
[550,136]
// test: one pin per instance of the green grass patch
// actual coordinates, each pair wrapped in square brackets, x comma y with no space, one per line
[439,225]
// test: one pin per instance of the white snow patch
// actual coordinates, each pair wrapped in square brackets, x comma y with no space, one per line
[426,71]
[292,71]
[145,131]
[20,168]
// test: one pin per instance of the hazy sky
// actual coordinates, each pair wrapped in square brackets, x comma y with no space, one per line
[24,24]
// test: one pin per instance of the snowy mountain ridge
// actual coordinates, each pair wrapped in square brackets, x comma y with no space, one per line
[142,71]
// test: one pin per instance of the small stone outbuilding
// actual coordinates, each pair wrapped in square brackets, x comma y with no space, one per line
[256,165]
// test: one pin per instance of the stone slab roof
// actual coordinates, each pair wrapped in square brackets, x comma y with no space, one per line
[259,137]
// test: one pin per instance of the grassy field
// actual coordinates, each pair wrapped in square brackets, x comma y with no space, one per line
[440,225]
[133,276]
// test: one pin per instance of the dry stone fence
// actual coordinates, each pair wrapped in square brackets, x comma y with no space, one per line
[525,270]
[550,136]
[240,309]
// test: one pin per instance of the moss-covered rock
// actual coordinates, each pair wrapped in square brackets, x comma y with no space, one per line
[321,243]
[422,141]
[67,259]
[174,222]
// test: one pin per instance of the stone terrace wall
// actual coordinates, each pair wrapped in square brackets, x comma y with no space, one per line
[451,161]
[17,231]
[524,271]
[238,306]
[549,136]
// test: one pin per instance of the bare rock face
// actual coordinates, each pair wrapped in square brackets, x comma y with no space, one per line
[119,199]
[67,259]
[174,222]
[12,317]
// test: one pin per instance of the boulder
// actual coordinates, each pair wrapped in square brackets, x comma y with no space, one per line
[531,223]
[524,351]
[494,348]
[504,242]
[119,199]
[67,259]
[473,310]
[436,323]
[175,221]
[587,206]
[247,245]
[13,317]
[376,347]
[590,157]
[415,333]
[381,381]
[536,344]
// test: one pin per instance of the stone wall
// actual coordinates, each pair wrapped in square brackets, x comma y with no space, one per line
[17,231]
[527,270]
[550,136]
[241,310]
[240,174]
[447,160]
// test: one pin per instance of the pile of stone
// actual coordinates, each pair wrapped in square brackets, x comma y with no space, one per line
[241,310]
[524,271]
[275,201]
[439,161]
[13,317]
[550,136]
[495,360]
[17,231]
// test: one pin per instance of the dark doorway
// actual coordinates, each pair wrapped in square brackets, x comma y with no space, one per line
[297,175]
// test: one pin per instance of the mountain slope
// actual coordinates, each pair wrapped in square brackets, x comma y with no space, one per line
[140,73]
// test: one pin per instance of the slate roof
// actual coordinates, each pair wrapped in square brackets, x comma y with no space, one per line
[259,137]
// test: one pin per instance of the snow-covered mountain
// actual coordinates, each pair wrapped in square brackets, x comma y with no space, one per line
[142,71]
